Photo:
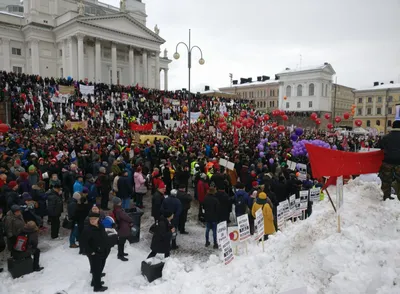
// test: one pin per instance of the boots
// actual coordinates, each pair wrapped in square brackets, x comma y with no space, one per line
[215,246]
[208,243]
[122,258]
[174,246]
[101,289]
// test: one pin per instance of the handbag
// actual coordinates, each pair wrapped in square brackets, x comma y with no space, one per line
[67,223]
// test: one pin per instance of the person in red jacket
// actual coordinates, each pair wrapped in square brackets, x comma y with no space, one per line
[202,190]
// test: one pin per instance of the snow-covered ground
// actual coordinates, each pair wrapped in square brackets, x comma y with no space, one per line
[364,258]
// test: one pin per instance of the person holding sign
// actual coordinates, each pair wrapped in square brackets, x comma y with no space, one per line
[263,202]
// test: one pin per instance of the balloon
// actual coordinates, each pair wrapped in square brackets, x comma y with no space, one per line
[299,131]
[284,97]
[274,125]
[327,116]
[252,113]
[243,113]
[318,121]
[282,112]
[346,115]
[184,108]
[266,129]
[297,174]
[238,125]
[266,117]
[260,147]
[285,117]
[313,116]
[338,119]
[358,122]
[330,126]
[281,129]
[69,78]
[261,154]
[334,147]
[4,128]
[221,119]
[226,114]
[294,137]
[271,160]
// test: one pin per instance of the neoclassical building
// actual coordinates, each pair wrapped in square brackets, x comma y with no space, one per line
[85,40]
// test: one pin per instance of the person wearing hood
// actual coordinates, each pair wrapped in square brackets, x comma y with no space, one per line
[202,190]
[55,208]
[124,223]
[161,241]
[78,185]
[125,190]
[29,210]
[39,195]
[23,182]
[29,231]
[104,187]
[140,186]
[263,202]
[241,200]
[92,189]
[72,213]
[13,225]
[33,177]
[172,204]
[12,197]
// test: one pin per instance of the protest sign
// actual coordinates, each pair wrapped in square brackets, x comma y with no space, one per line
[292,205]
[244,227]
[259,225]
[285,207]
[222,232]
[227,251]
[280,215]
[298,210]
[86,90]
[233,233]
[302,170]
[66,90]
[74,125]
[304,199]
[314,194]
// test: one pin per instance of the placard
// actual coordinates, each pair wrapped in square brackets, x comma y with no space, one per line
[227,251]
[303,171]
[339,194]
[259,224]
[285,207]
[244,227]
[280,215]
[292,205]
[314,194]
[222,232]
[86,90]
[291,165]
[304,199]
[298,210]
[233,233]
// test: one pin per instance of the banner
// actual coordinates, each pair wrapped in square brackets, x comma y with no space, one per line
[233,233]
[141,128]
[298,210]
[74,125]
[194,116]
[227,250]
[86,90]
[66,90]
[244,227]
[327,162]
[175,102]
[259,225]
[302,171]
[222,232]
[59,99]
[173,124]
[81,104]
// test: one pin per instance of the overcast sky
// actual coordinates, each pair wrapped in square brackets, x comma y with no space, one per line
[360,38]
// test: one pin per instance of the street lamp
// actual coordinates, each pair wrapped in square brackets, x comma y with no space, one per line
[201,62]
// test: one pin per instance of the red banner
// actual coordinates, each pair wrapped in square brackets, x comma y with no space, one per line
[81,104]
[138,128]
[327,162]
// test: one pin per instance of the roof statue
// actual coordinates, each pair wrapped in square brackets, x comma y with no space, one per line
[156,30]
[81,8]
[122,5]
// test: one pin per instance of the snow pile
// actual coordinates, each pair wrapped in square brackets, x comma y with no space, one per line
[364,258]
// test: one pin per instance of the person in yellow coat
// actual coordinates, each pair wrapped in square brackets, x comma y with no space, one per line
[263,202]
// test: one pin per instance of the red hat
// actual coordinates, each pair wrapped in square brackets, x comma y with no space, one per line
[254,184]
[161,185]
[53,160]
[12,184]
[18,162]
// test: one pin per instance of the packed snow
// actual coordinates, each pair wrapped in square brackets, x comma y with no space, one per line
[363,258]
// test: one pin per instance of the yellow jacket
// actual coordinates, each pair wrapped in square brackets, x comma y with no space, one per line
[269,227]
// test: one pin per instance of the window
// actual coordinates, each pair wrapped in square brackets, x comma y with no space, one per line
[310,104]
[390,110]
[322,92]
[17,69]
[359,100]
[311,90]
[60,53]
[369,99]
[369,110]
[378,122]
[299,90]
[326,90]
[390,99]
[368,123]
[379,110]
[265,104]
[389,123]
[258,104]
[379,99]
[287,104]
[359,111]
[288,91]
[30,52]
[16,51]
[298,104]
[61,72]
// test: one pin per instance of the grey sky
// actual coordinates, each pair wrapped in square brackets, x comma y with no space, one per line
[360,38]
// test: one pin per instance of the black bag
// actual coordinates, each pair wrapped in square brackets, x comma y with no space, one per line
[152,271]
[67,223]
[153,228]
[20,267]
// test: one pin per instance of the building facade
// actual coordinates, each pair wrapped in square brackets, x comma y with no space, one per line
[263,93]
[342,100]
[376,106]
[307,89]
[84,40]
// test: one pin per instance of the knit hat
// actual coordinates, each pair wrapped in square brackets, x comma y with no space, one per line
[85,190]
[18,162]
[262,195]
[167,213]
[161,185]
[116,201]
[53,160]
[77,196]
[41,159]
[102,170]
[254,184]
[31,168]
[26,196]
[15,208]
[94,214]
[12,184]
[174,192]
[239,186]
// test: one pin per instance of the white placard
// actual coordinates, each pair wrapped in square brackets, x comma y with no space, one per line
[86,90]
[304,199]
[222,232]
[292,205]
[230,165]
[291,164]
[285,207]
[298,211]
[339,194]
[259,224]
[73,154]
[244,227]
[314,194]
[227,251]
[280,215]
[233,233]
[302,170]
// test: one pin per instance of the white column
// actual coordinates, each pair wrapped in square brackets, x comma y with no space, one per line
[72,58]
[114,63]
[132,65]
[6,54]
[35,56]
[90,73]
[64,58]
[145,77]
[165,79]
[157,73]
[98,61]
[81,65]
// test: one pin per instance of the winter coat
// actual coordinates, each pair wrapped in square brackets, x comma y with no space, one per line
[123,221]
[78,187]
[2,233]
[156,202]
[185,199]
[33,179]
[225,205]
[269,227]
[124,188]
[241,202]
[91,197]
[161,241]
[29,213]
[24,186]
[95,240]
[211,206]
[140,181]
[104,184]
[54,203]
[31,244]
[13,225]
[40,197]
[71,209]
[81,212]
[280,191]
[391,147]
[12,198]
[202,190]
[174,205]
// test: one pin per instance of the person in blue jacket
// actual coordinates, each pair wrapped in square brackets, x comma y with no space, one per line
[241,200]
[174,205]
[78,185]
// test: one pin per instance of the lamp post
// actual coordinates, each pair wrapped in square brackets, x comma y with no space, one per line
[201,61]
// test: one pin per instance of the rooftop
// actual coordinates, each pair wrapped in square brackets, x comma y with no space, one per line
[380,87]
[256,83]
[308,68]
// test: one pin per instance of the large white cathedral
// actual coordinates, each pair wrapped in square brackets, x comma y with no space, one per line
[82,39]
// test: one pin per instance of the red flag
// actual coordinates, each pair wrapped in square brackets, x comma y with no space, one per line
[147,127]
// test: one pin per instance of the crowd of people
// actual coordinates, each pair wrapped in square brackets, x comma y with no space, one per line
[88,178]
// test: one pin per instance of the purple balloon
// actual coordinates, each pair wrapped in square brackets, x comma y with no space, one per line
[299,131]
[261,154]
[260,147]
[334,147]
[294,137]
[271,160]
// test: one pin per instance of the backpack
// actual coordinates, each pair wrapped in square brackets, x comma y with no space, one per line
[21,243]
[240,202]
